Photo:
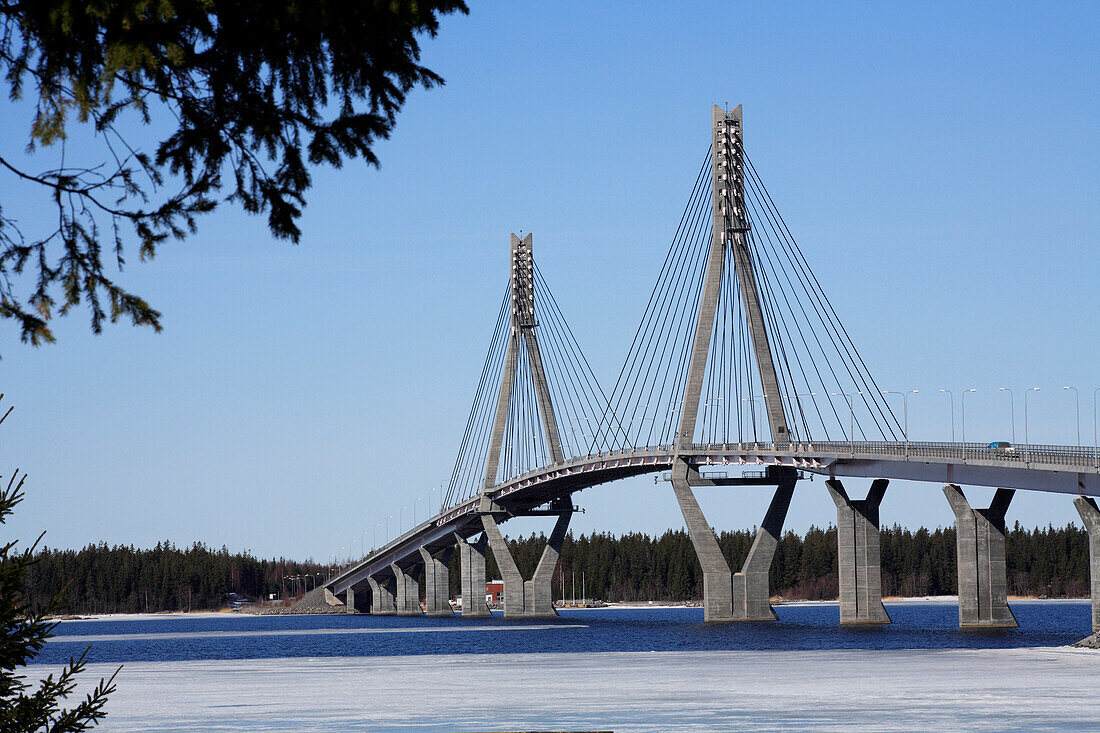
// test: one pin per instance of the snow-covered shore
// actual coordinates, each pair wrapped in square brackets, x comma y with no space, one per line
[985,689]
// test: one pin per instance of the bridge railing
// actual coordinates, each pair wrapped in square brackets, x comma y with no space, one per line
[1077,456]
[1082,456]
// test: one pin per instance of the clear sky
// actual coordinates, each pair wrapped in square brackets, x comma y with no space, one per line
[936,162]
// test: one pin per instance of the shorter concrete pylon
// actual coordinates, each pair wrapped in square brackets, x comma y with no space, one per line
[983,574]
[530,599]
[859,555]
[382,596]
[1090,517]
[408,592]
[437,582]
[471,567]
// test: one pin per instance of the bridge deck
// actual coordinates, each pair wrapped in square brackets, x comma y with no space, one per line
[1060,469]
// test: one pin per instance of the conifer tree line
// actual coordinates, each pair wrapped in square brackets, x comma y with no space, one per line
[121,579]
[1051,562]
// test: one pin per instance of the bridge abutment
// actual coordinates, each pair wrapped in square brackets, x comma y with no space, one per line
[471,564]
[1090,517]
[437,582]
[382,597]
[859,555]
[980,544]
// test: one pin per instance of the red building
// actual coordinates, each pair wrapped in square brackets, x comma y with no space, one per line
[493,590]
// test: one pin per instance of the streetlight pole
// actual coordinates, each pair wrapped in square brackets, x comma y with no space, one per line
[363,546]
[401,521]
[388,527]
[1011,409]
[376,526]
[1095,443]
[851,419]
[1027,443]
[804,394]
[414,510]
[751,399]
[952,396]
[963,401]
[905,412]
[1077,405]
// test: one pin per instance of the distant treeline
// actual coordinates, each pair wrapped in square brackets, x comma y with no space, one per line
[1049,562]
[102,579]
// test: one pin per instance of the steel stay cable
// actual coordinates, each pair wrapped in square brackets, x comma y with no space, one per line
[877,398]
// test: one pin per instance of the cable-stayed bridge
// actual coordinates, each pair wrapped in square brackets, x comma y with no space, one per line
[740,373]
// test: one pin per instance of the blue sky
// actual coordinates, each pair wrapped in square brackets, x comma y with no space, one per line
[936,162]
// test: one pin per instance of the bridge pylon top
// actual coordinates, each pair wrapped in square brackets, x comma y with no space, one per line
[538,402]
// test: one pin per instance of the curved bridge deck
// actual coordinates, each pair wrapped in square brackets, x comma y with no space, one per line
[1060,469]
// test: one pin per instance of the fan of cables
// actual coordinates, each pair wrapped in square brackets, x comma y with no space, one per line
[827,391]
[576,399]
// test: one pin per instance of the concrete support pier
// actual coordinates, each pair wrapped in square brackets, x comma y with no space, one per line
[751,589]
[437,582]
[1090,517]
[357,601]
[512,597]
[744,596]
[537,592]
[382,597]
[858,554]
[980,542]
[533,597]
[471,563]
[408,592]
[349,600]
[717,581]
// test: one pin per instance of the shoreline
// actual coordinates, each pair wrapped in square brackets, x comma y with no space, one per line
[625,606]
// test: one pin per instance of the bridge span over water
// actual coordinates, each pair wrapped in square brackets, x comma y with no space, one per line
[740,373]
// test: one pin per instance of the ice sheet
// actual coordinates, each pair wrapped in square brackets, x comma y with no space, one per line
[988,689]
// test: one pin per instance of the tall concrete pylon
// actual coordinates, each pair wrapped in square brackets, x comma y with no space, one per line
[745,595]
[729,234]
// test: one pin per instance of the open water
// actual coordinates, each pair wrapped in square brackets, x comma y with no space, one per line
[917,625]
